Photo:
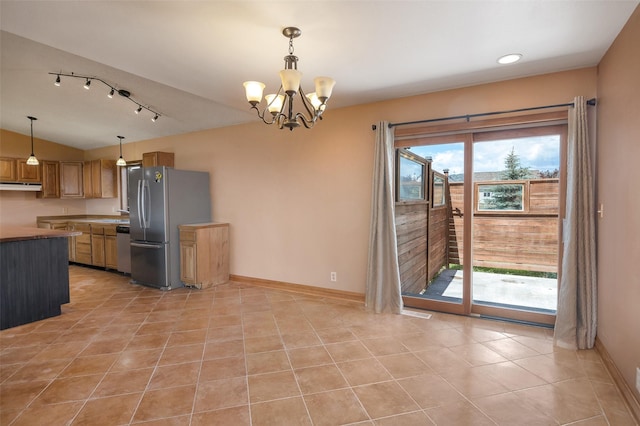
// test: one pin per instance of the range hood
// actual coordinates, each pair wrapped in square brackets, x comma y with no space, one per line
[20,186]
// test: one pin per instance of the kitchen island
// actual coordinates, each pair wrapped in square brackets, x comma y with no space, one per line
[34,274]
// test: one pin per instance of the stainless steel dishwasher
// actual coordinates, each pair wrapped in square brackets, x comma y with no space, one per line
[124,248]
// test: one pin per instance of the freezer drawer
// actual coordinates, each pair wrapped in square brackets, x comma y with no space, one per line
[149,264]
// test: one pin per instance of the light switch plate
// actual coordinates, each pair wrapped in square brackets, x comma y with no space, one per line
[638,379]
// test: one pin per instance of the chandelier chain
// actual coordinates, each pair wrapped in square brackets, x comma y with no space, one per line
[291,45]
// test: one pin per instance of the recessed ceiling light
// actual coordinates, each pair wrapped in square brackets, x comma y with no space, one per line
[509,59]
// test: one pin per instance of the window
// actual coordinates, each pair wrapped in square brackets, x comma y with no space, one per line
[410,177]
[438,194]
[499,197]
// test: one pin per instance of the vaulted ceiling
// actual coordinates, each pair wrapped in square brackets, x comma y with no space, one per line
[187,60]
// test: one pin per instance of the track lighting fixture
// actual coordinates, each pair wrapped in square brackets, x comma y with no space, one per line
[32,160]
[121,161]
[112,91]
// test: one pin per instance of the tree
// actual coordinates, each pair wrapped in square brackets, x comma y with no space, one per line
[512,169]
[506,196]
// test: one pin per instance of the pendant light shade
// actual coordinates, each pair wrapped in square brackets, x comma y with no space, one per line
[121,161]
[32,160]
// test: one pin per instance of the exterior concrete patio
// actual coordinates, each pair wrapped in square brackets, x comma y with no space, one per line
[518,291]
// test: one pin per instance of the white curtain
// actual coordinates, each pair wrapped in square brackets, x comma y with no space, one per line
[382,292]
[576,314]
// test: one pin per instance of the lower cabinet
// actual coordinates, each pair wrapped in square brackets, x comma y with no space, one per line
[204,254]
[110,247]
[97,246]
[83,243]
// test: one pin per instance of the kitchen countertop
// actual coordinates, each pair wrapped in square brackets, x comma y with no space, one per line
[18,233]
[117,220]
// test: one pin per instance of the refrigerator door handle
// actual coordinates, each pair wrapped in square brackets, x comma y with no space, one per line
[153,246]
[139,201]
[145,195]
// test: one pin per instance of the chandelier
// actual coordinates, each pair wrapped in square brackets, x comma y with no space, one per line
[279,107]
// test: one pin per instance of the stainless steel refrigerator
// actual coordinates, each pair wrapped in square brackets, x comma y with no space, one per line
[160,199]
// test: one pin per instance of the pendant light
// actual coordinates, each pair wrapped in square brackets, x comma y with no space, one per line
[32,160]
[121,161]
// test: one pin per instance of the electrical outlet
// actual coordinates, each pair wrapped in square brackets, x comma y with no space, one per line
[638,379]
[65,210]
[334,276]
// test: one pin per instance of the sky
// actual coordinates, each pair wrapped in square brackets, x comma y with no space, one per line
[537,153]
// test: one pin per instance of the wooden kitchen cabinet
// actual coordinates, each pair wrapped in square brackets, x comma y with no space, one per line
[8,170]
[50,179]
[71,178]
[100,179]
[97,246]
[204,254]
[110,247]
[157,158]
[83,243]
[27,173]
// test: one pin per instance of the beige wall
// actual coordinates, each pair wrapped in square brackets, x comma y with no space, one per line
[618,151]
[298,202]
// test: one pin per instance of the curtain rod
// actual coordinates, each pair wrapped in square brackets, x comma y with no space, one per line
[591,102]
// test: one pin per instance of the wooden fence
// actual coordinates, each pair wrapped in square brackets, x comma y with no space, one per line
[525,241]
[430,238]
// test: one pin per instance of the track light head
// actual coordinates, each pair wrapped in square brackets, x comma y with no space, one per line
[155,117]
[111,93]
[57,83]
[87,84]
[139,109]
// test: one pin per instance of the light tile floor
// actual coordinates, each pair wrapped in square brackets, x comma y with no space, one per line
[240,355]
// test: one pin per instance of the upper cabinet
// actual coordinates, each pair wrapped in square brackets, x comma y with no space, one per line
[28,173]
[71,179]
[157,158]
[50,179]
[100,179]
[8,170]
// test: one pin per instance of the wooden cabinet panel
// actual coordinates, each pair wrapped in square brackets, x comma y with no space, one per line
[97,250]
[204,254]
[100,179]
[83,243]
[27,173]
[71,179]
[50,180]
[157,158]
[8,170]
[110,247]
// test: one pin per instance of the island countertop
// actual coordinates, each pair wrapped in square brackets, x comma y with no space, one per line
[20,233]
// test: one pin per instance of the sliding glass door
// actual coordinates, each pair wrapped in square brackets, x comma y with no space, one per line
[441,285]
[517,198]
[492,229]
